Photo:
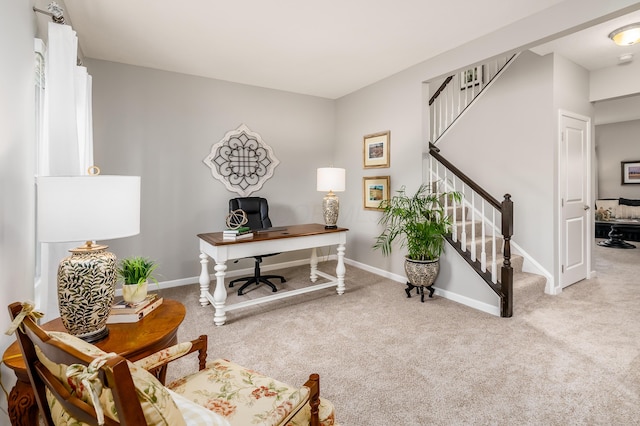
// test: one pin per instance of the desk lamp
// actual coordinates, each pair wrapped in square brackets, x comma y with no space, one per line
[330,179]
[87,208]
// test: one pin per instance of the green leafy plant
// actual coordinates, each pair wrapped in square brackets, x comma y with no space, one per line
[418,222]
[137,270]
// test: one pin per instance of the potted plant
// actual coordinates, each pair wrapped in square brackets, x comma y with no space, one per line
[418,222]
[135,273]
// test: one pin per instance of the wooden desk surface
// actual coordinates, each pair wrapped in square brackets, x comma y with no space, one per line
[290,231]
[133,341]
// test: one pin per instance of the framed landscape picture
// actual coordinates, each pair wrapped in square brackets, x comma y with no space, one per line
[375,190]
[630,172]
[376,150]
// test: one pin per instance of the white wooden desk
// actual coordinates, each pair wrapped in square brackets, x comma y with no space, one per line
[288,238]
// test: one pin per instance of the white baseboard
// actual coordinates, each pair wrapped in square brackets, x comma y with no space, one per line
[458,298]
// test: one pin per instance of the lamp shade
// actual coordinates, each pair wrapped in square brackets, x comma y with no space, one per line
[87,208]
[330,179]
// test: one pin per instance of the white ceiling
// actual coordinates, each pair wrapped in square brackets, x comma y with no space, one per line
[327,49]
[592,48]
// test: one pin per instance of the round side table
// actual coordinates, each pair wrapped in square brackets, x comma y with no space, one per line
[134,341]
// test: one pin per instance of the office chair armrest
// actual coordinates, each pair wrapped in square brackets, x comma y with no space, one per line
[165,356]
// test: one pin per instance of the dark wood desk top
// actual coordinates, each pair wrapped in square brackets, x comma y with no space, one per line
[133,341]
[290,231]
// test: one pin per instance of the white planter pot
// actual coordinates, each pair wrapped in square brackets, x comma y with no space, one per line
[134,293]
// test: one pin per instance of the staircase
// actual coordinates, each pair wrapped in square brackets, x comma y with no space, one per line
[483,226]
[527,287]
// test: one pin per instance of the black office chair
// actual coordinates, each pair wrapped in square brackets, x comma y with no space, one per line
[257,210]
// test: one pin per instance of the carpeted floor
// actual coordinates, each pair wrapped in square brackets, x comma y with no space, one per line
[384,359]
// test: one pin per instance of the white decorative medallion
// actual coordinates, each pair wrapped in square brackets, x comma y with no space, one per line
[242,161]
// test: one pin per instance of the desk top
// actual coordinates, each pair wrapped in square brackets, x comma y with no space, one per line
[291,231]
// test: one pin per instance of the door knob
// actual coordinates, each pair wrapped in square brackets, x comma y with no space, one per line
[586,207]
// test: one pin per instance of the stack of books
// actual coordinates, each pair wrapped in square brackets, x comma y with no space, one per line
[237,234]
[123,312]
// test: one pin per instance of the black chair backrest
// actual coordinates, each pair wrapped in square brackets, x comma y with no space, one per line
[256,208]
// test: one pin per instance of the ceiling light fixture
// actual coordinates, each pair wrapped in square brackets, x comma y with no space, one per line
[627,35]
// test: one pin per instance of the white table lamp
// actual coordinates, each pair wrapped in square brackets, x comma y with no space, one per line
[330,179]
[87,208]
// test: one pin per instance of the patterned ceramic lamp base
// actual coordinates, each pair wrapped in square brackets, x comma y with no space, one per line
[86,288]
[330,210]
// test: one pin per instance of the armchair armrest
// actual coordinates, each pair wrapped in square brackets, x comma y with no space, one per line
[162,358]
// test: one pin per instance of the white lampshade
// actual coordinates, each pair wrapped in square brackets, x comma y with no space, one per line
[88,208]
[330,179]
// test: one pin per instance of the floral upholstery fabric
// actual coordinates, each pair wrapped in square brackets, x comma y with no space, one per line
[157,405]
[165,355]
[243,396]
[326,415]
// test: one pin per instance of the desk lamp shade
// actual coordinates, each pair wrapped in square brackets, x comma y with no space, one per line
[330,179]
[87,208]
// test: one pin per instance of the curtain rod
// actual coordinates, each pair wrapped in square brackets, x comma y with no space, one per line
[55,11]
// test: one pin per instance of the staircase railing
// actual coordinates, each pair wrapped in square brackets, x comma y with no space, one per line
[458,91]
[478,209]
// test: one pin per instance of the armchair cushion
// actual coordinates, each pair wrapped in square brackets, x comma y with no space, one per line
[157,404]
[242,396]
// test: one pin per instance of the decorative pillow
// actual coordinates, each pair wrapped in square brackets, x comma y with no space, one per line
[157,404]
[610,205]
[628,212]
[243,396]
[197,415]
[628,202]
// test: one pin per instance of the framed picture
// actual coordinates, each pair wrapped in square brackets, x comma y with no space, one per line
[375,189]
[376,150]
[630,172]
[470,77]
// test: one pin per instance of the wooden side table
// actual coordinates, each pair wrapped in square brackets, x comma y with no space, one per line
[134,341]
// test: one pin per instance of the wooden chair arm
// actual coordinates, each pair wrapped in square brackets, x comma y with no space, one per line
[157,361]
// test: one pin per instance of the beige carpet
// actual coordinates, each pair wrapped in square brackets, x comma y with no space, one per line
[385,359]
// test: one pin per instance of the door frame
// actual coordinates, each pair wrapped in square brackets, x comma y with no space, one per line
[557,289]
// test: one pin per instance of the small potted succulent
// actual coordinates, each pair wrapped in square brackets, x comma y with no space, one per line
[135,273]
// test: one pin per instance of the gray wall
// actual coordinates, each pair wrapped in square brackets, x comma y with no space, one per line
[616,142]
[17,167]
[161,125]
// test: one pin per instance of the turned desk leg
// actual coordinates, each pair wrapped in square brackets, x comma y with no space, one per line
[220,295]
[313,262]
[204,279]
[340,269]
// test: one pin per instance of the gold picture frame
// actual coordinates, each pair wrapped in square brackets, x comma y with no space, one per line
[375,189]
[376,150]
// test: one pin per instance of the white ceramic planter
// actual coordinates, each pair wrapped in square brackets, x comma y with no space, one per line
[134,293]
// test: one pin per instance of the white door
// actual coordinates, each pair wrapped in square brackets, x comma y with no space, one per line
[574,178]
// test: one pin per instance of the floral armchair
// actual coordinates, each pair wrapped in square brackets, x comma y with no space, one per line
[76,383]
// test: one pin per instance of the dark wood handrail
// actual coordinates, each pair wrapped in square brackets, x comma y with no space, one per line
[505,288]
[440,89]
[435,153]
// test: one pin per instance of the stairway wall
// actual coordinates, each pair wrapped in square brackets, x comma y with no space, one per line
[512,127]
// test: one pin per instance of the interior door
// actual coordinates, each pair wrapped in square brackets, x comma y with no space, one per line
[574,178]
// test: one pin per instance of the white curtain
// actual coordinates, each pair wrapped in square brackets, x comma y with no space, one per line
[66,145]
